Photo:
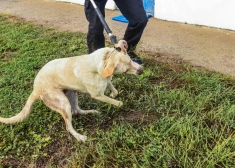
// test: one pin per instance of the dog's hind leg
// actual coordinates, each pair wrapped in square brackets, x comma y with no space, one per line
[73,99]
[56,100]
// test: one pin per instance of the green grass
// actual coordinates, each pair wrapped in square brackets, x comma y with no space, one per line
[173,115]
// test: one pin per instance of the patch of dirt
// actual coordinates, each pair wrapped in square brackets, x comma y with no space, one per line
[140,116]
[57,154]
[210,48]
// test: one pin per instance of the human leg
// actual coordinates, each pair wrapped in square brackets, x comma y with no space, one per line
[134,11]
[95,35]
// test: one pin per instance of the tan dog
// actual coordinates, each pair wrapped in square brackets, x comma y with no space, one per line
[58,79]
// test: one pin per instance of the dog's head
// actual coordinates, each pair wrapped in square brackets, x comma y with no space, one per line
[118,61]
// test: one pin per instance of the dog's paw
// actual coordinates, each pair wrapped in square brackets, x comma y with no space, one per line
[120,103]
[95,112]
[114,93]
[81,138]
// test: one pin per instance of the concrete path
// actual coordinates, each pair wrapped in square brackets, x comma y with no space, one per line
[210,48]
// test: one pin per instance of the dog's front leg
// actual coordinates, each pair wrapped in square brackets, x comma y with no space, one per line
[107,99]
[114,91]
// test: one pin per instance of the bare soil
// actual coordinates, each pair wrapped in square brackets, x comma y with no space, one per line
[210,48]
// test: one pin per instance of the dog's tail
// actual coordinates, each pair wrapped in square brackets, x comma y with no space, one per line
[24,112]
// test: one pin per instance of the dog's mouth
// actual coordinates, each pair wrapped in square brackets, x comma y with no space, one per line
[140,71]
[135,72]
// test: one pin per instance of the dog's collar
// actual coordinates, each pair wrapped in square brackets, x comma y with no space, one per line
[118,49]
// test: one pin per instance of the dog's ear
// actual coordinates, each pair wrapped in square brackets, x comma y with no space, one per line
[108,70]
[121,46]
[110,64]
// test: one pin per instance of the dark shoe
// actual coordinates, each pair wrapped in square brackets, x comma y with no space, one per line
[135,58]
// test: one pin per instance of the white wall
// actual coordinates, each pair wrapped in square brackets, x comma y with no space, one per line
[213,13]
[109,5]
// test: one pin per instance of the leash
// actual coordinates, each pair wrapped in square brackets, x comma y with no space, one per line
[113,38]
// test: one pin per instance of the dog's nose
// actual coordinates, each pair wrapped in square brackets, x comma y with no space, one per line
[140,71]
